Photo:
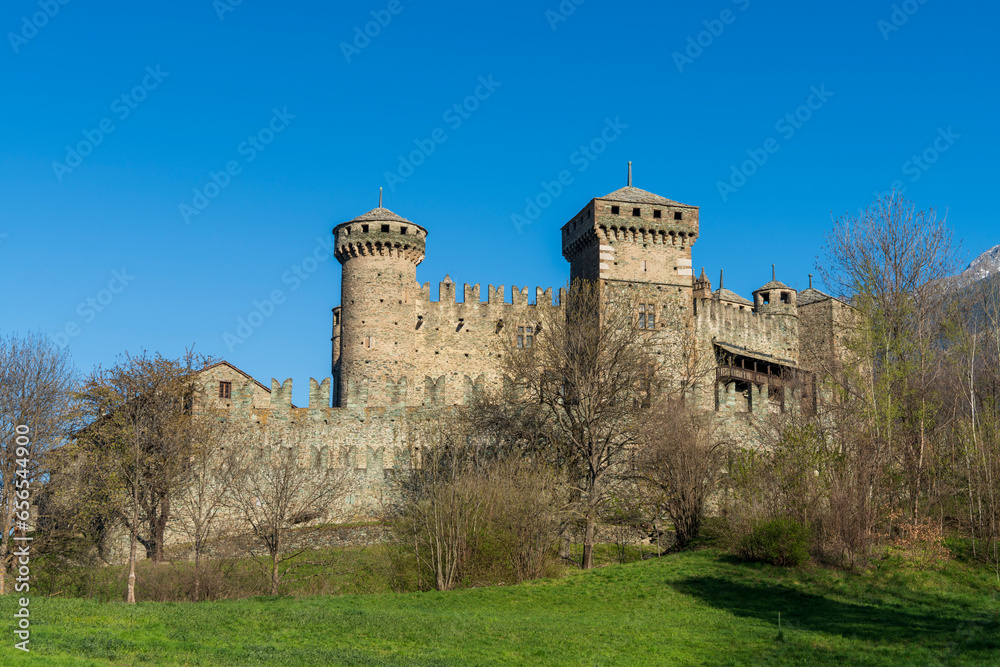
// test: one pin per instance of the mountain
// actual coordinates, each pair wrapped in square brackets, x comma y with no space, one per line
[984,266]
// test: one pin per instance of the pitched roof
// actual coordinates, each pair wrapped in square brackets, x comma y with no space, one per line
[243,373]
[637,196]
[380,215]
[811,295]
[728,295]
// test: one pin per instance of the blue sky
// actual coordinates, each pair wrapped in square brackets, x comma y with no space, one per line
[310,119]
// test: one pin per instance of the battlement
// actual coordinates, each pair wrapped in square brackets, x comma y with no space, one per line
[447,296]
[769,334]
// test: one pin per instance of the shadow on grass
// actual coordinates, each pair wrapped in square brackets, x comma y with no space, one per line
[881,623]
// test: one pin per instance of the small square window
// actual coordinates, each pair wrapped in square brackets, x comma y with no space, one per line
[402,230]
[364,229]
[657,213]
[637,213]
[615,210]
[225,389]
[385,229]
[678,215]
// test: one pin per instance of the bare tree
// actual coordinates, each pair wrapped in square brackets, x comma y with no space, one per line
[891,262]
[681,463]
[136,445]
[281,499]
[36,380]
[591,369]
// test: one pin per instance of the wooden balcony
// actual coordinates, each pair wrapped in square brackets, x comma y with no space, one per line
[735,373]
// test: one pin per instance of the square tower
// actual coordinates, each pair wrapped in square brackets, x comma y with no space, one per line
[632,236]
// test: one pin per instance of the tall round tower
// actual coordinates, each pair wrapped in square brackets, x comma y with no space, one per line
[379,252]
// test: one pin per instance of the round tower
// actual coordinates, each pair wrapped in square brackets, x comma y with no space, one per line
[775,298]
[379,252]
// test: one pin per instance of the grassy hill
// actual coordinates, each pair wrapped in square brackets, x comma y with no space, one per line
[692,608]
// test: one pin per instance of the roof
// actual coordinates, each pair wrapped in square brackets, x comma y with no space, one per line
[744,352]
[811,295]
[244,374]
[775,284]
[380,215]
[723,294]
[637,196]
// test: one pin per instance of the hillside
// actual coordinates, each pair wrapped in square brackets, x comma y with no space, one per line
[692,608]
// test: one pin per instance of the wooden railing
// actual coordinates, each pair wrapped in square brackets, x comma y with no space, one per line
[737,373]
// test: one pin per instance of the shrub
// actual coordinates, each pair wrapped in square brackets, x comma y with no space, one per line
[784,542]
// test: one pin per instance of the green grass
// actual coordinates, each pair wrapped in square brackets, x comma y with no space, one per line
[691,608]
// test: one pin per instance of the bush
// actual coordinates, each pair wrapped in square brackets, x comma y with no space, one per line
[783,542]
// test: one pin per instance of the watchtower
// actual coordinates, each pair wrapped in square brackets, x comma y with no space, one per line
[380,252]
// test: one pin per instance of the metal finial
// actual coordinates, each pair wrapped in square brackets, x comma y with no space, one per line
[810,281]
[722,274]
[380,197]
[774,274]
[630,173]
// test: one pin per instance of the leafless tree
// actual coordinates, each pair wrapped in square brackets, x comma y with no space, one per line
[681,463]
[891,263]
[281,499]
[591,369]
[136,445]
[36,380]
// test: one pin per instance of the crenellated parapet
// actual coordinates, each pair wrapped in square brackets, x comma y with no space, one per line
[769,334]
[380,233]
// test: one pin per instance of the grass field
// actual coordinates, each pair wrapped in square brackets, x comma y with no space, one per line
[692,608]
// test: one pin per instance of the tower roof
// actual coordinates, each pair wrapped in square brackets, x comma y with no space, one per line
[637,196]
[775,284]
[380,215]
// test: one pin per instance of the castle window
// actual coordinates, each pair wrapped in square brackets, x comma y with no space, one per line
[637,213]
[368,342]
[678,215]
[402,230]
[644,265]
[364,229]
[647,316]
[766,297]
[657,213]
[615,210]
[225,389]
[525,336]
[385,229]
[786,297]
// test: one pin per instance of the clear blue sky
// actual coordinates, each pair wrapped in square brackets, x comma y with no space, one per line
[922,81]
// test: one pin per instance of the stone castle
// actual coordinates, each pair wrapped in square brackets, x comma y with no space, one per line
[399,358]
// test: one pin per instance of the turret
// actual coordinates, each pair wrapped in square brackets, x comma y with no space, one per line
[379,252]
[775,298]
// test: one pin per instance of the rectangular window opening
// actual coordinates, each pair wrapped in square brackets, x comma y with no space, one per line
[657,213]
[678,215]
[615,210]
[402,230]
[385,229]
[364,229]
[637,213]
[225,389]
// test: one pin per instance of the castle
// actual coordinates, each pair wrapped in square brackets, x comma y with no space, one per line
[399,358]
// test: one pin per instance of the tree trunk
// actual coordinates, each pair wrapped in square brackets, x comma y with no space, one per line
[588,543]
[131,567]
